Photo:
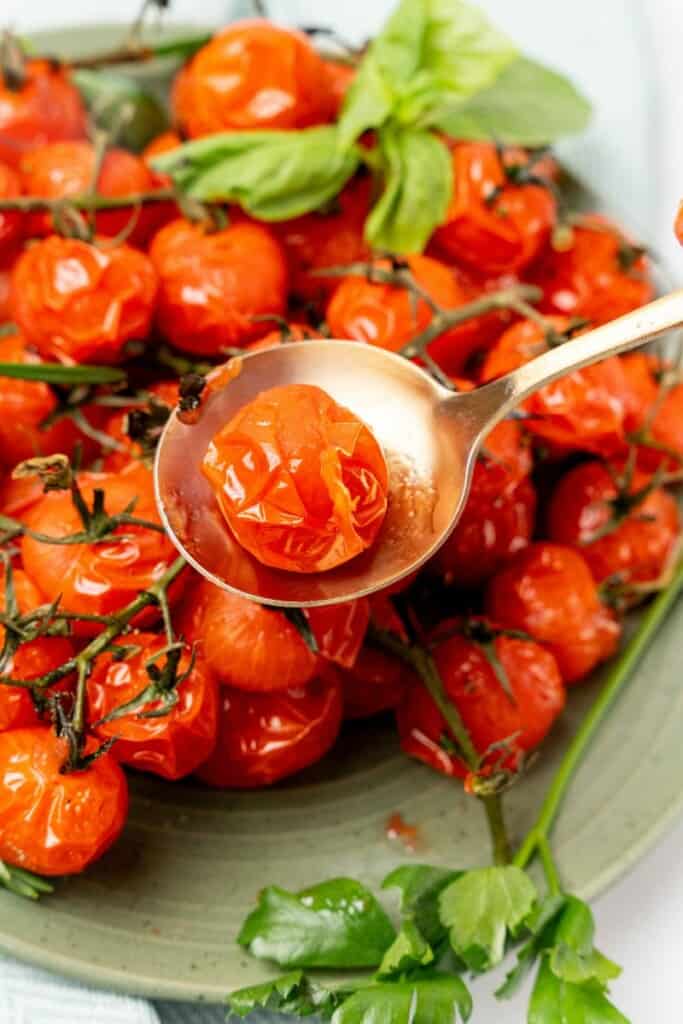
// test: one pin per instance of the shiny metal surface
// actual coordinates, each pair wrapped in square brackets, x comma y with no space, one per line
[430,438]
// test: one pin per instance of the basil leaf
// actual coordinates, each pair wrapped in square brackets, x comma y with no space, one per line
[417,191]
[293,993]
[118,105]
[272,175]
[409,951]
[527,105]
[462,47]
[421,886]
[554,1001]
[55,373]
[442,999]
[573,957]
[481,908]
[367,104]
[338,923]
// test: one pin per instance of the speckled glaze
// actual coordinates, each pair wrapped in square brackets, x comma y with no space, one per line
[159,913]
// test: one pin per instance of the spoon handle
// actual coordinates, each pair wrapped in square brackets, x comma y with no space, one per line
[489,404]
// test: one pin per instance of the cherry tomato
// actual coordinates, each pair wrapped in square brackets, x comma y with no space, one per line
[300,480]
[33,659]
[641,389]
[493,225]
[519,344]
[377,682]
[283,335]
[340,77]
[245,645]
[489,532]
[164,143]
[637,542]
[212,286]
[328,238]
[253,75]
[518,721]
[79,303]
[678,224]
[599,277]
[11,222]
[162,393]
[98,578]
[506,457]
[171,745]
[45,107]
[339,630]
[264,737]
[662,443]
[50,822]
[548,591]
[8,257]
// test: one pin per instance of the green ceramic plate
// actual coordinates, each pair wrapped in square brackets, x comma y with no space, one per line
[159,914]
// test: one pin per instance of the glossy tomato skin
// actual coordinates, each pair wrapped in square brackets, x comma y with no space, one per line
[248,647]
[377,682]
[283,336]
[11,221]
[340,77]
[588,279]
[253,75]
[490,715]
[663,446]
[499,235]
[8,257]
[128,451]
[46,108]
[171,745]
[79,303]
[99,578]
[638,549]
[265,737]
[548,591]
[339,630]
[300,480]
[213,285]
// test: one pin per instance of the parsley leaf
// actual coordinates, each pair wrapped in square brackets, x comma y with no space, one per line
[291,993]
[554,1001]
[420,886]
[409,951]
[573,957]
[542,924]
[338,923]
[481,908]
[441,999]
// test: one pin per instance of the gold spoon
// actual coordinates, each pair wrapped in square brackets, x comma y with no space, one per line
[429,435]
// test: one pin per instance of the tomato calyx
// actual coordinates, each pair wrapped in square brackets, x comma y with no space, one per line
[162,690]
[483,635]
[20,628]
[626,500]
[12,62]
[191,390]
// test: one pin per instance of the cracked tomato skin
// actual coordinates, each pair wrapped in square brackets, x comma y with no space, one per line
[339,629]
[490,715]
[172,745]
[638,549]
[99,578]
[300,480]
[46,108]
[253,75]
[548,591]
[499,235]
[248,647]
[54,823]
[587,279]
[212,285]
[264,737]
[11,221]
[78,303]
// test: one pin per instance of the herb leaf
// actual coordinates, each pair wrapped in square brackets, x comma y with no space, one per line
[118,105]
[292,993]
[23,883]
[573,957]
[462,48]
[55,373]
[273,175]
[542,925]
[481,908]
[409,951]
[338,923]
[527,105]
[417,190]
[554,1001]
[441,999]
[421,886]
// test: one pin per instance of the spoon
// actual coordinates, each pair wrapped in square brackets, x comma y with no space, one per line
[430,437]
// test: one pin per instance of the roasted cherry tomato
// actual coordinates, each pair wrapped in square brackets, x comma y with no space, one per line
[161,398]
[548,591]
[31,660]
[514,722]
[494,225]
[8,257]
[11,222]
[51,822]
[340,77]
[171,744]
[98,578]
[339,630]
[263,737]
[660,439]
[213,286]
[327,238]
[283,335]
[245,645]
[300,480]
[377,682]
[641,389]
[618,536]
[79,303]
[600,276]
[253,75]
[43,106]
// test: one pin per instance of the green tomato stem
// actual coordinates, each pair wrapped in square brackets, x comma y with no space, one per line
[500,842]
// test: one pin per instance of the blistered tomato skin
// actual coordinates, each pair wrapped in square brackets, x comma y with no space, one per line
[171,745]
[253,75]
[339,630]
[492,225]
[11,222]
[300,480]
[50,822]
[268,736]
[213,285]
[47,107]
[78,303]
[548,591]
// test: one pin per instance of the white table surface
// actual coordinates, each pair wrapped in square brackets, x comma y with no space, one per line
[640,920]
